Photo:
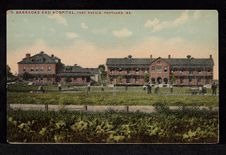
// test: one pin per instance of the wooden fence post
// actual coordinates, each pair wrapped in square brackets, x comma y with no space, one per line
[46,107]
[127,108]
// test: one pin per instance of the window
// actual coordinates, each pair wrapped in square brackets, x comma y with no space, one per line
[190,79]
[153,68]
[165,69]
[159,68]
[181,71]
[199,79]
[190,72]
[49,68]
[181,80]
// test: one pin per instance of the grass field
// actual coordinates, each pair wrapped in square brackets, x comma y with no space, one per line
[54,88]
[164,126]
[20,94]
[107,98]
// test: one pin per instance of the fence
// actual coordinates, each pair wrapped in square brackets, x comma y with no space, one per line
[98,108]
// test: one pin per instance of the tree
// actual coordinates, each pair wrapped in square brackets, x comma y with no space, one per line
[119,78]
[8,72]
[130,56]
[27,76]
[146,77]
[188,56]
[102,72]
[172,78]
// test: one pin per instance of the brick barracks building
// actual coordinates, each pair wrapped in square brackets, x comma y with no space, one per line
[50,69]
[182,71]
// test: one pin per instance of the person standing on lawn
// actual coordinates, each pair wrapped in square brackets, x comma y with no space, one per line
[214,89]
[171,88]
[59,86]
[156,89]
[200,90]
[102,87]
[148,89]
[126,87]
[88,88]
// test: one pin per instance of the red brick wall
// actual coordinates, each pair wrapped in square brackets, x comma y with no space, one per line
[162,74]
[131,75]
[39,66]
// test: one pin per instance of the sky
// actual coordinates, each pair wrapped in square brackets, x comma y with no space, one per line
[89,37]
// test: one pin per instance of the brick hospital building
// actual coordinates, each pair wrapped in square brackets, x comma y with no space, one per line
[50,69]
[186,71]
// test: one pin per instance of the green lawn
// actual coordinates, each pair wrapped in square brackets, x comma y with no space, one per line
[108,98]
[53,88]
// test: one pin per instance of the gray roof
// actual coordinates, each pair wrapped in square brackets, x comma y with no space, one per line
[128,62]
[193,62]
[93,70]
[174,62]
[74,71]
[40,58]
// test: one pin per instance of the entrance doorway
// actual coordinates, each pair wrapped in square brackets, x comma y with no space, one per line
[165,80]
[159,80]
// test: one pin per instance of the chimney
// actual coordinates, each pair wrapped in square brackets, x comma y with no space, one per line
[151,56]
[28,55]
[169,56]
[210,56]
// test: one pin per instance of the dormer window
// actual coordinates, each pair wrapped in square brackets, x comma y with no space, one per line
[32,69]
[24,69]
[42,69]
[36,69]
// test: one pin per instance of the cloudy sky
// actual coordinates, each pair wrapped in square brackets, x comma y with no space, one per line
[87,38]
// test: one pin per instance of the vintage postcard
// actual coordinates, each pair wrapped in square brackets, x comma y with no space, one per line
[112,76]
